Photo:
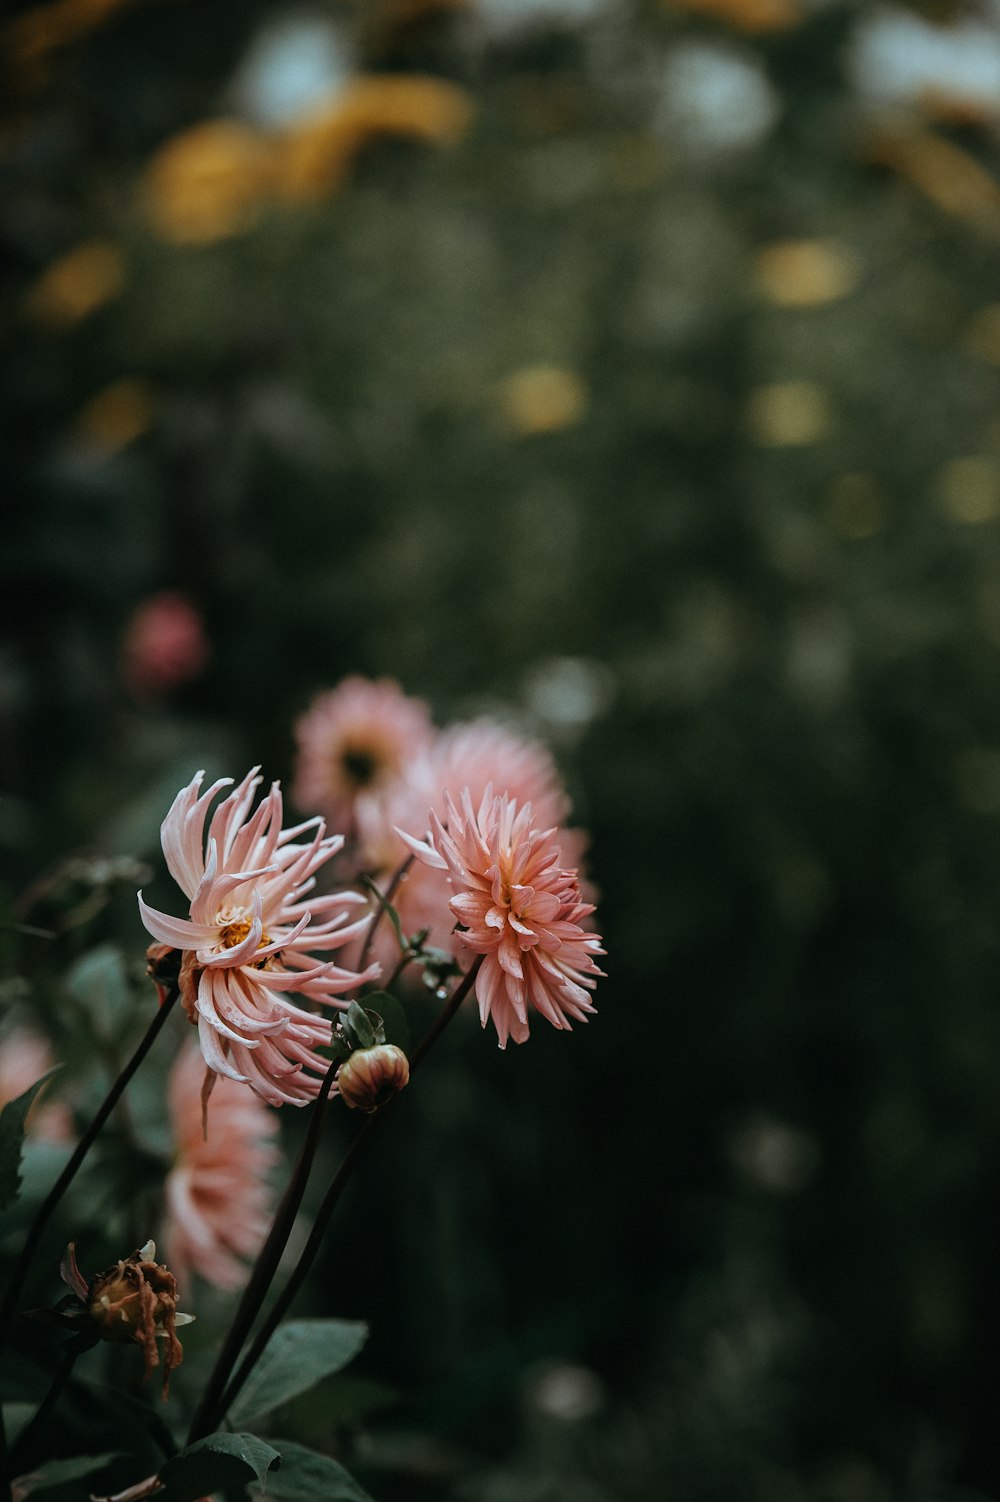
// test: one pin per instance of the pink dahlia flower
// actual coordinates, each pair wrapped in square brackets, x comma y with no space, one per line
[251,936]
[519,908]
[475,755]
[356,739]
[217,1197]
[164,644]
[24,1057]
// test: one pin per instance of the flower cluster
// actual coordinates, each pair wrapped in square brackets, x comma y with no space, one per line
[252,936]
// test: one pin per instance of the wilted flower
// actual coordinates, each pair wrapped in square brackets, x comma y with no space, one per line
[133,1300]
[357,739]
[24,1057]
[369,1077]
[251,936]
[519,908]
[217,1196]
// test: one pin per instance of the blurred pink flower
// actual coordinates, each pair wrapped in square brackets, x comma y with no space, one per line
[24,1057]
[217,1197]
[164,644]
[356,739]
[250,936]
[476,755]
[519,908]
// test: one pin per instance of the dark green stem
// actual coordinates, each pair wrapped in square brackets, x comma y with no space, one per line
[326,1209]
[114,1095]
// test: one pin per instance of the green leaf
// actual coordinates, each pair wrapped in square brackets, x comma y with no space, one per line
[306,1475]
[99,980]
[12,1119]
[16,1416]
[358,1027]
[393,1015]
[299,1354]
[61,1480]
[216,1463]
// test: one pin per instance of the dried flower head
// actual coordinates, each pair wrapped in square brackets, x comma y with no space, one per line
[134,1300]
[369,1077]
[217,1194]
[518,907]
[357,739]
[251,936]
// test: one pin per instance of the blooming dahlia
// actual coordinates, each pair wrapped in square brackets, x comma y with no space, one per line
[217,1197]
[251,937]
[519,908]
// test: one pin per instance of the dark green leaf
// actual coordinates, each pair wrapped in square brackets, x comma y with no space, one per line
[306,1475]
[216,1463]
[299,1354]
[358,1027]
[99,980]
[62,1480]
[12,1119]
[393,1015]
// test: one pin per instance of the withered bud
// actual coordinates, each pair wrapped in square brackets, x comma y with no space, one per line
[370,1076]
[136,1300]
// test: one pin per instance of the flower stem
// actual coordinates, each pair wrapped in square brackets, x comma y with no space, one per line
[326,1209]
[281,1227]
[74,1349]
[55,1194]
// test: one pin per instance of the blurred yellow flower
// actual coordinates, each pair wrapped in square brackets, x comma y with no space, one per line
[788,414]
[208,183]
[804,273]
[316,152]
[76,285]
[543,399]
[746,15]
[115,417]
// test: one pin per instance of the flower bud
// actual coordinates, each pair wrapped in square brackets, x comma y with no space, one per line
[136,1300]
[371,1076]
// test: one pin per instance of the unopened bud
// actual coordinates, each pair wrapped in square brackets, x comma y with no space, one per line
[371,1076]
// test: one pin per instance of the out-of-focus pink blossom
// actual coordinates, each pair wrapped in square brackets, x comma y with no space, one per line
[164,645]
[217,1195]
[519,908]
[252,935]
[24,1057]
[357,739]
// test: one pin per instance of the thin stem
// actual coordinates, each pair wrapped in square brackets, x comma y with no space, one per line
[326,1209]
[69,1173]
[384,900]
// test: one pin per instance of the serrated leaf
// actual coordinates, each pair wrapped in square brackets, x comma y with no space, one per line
[100,981]
[216,1463]
[306,1475]
[299,1354]
[62,1480]
[393,1015]
[12,1119]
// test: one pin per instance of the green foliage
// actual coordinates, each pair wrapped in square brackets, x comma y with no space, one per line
[219,1462]
[12,1121]
[99,982]
[299,1354]
[395,1024]
[63,1480]
[305,1475]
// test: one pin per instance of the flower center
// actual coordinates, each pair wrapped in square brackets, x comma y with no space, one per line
[360,765]
[234,933]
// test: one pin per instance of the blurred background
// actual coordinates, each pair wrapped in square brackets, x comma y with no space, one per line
[631,369]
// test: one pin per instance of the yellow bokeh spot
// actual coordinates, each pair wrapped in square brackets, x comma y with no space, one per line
[76,285]
[983,335]
[804,273]
[316,153]
[945,173]
[208,183]
[856,506]
[115,417]
[543,399]
[969,489]
[788,414]
[753,16]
